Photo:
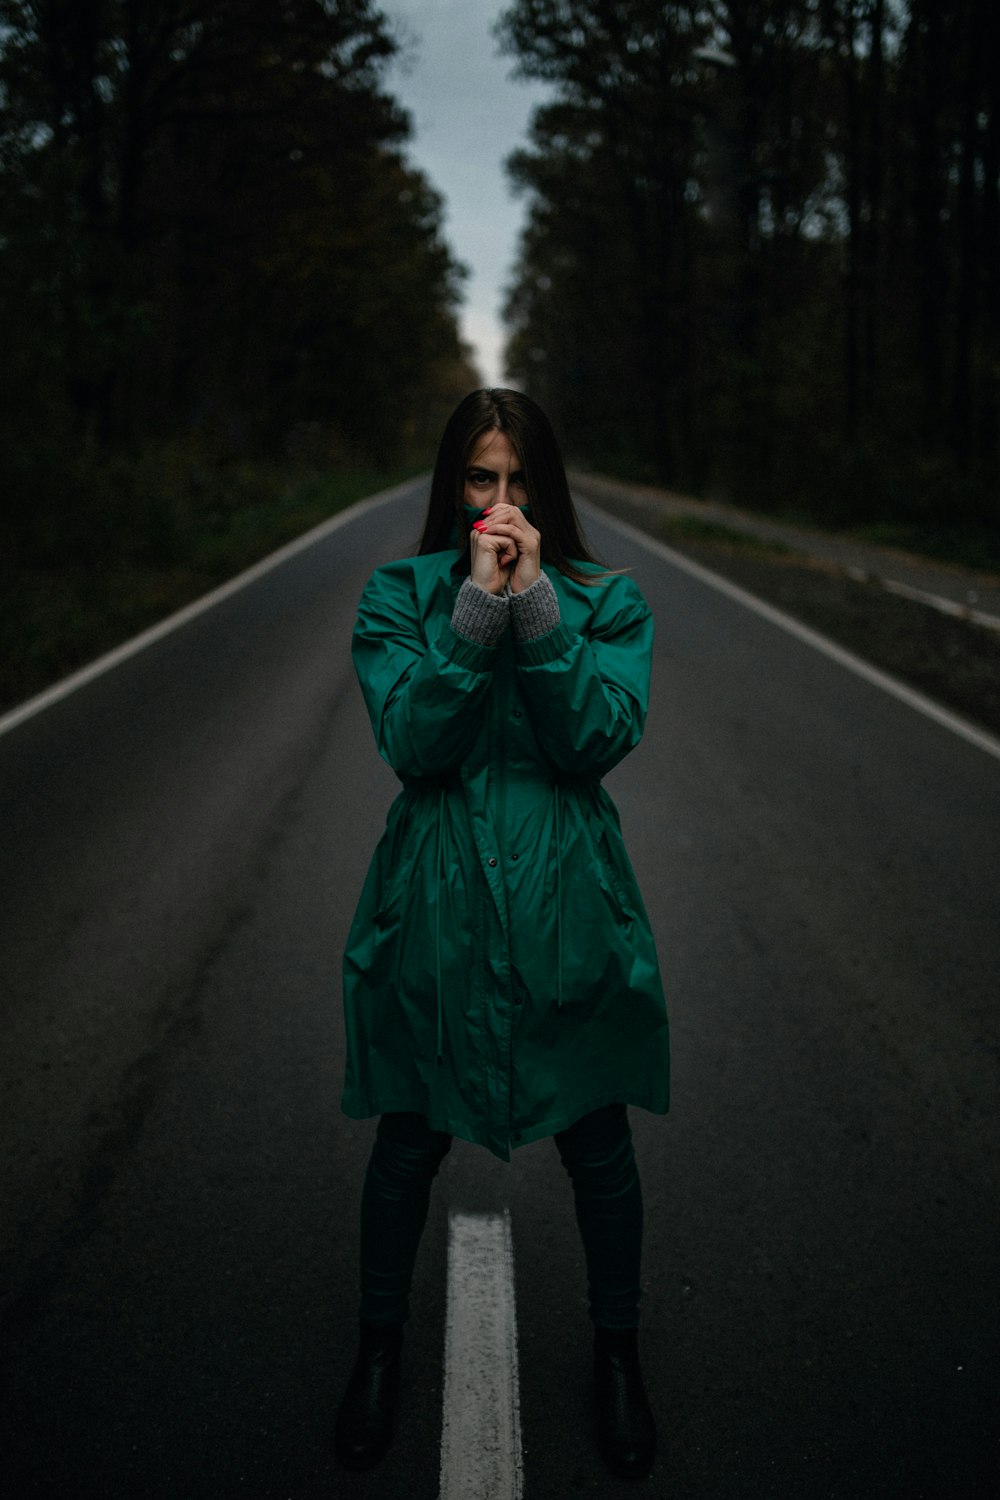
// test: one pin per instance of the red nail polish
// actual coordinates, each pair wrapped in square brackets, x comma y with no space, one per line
[479,525]
[487,510]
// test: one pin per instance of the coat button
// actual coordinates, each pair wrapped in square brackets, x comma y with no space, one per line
[491,862]
[518,714]
[514,856]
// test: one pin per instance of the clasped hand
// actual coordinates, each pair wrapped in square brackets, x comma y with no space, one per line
[504,548]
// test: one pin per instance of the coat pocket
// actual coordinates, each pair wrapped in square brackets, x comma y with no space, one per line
[615,881]
[392,863]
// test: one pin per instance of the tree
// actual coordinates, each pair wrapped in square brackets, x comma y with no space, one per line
[209,233]
[614,155]
[779,220]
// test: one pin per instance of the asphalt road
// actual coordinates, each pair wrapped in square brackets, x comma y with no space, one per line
[181,845]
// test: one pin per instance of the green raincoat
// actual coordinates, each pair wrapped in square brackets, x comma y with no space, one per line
[500,976]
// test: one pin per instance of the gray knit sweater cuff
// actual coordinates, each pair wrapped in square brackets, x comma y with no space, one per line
[535,611]
[479,616]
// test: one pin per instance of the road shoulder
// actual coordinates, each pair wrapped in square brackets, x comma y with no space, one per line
[951,658]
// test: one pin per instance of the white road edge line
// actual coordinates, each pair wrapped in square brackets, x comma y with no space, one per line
[200,606]
[981,738]
[481,1455]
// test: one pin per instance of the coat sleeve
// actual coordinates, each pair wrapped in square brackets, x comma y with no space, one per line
[587,694]
[425,697]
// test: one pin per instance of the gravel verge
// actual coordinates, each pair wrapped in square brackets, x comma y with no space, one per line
[950,659]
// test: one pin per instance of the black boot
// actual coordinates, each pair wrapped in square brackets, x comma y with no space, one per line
[626,1431]
[364,1421]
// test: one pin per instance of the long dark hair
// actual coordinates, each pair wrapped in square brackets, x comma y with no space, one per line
[531,435]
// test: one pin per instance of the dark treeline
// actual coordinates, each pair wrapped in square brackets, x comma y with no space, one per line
[213,253]
[762,256]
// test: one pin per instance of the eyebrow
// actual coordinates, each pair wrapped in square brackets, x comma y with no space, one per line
[492,473]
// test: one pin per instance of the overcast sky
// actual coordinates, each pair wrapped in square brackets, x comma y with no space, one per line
[468,116]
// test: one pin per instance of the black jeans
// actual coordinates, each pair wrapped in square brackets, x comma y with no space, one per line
[596,1152]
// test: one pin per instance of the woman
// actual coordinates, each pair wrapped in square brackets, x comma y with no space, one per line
[500,978]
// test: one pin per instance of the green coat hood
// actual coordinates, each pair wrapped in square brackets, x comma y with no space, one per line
[500,975]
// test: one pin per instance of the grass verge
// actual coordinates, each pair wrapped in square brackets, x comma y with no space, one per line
[976,547]
[58,617]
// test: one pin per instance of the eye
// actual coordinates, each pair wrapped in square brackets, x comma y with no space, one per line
[479,477]
[519,480]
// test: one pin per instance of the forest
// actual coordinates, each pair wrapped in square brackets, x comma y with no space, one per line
[762,252]
[760,262]
[217,266]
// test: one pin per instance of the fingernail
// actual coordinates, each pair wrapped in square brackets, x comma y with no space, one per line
[487,510]
[479,525]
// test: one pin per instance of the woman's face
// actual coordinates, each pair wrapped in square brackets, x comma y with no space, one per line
[493,475]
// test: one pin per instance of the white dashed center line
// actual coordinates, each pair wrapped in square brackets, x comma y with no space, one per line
[481,1428]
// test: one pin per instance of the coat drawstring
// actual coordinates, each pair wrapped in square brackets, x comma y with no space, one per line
[559,934]
[437,924]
